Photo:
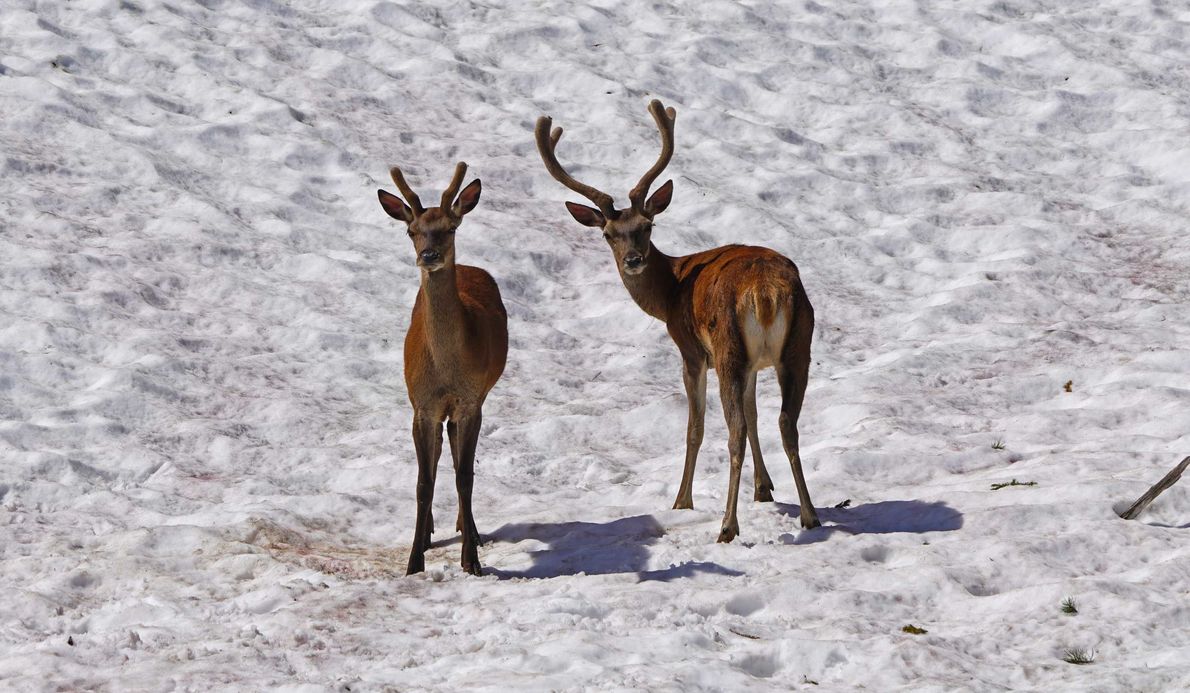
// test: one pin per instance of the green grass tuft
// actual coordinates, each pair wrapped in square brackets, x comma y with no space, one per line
[1077,655]
[914,630]
[1068,606]
[998,445]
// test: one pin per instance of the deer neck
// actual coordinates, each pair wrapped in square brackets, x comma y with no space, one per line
[445,330]
[653,289]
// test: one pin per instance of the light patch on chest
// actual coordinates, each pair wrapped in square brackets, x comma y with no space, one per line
[764,342]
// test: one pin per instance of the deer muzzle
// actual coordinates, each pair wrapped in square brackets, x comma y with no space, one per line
[429,260]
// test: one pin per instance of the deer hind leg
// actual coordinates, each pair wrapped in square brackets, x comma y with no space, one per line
[437,455]
[694,376]
[793,373]
[427,441]
[452,433]
[468,438]
[763,485]
[732,383]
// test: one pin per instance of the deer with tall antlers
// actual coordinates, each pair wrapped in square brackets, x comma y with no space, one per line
[736,309]
[455,351]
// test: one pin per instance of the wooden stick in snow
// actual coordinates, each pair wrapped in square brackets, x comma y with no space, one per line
[1151,495]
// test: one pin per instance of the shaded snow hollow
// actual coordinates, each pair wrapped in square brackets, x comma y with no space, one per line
[207,475]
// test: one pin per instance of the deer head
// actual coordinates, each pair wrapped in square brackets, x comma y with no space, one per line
[627,231]
[432,230]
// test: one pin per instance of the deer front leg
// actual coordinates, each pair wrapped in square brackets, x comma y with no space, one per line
[694,376]
[468,438]
[731,390]
[763,485]
[456,448]
[425,432]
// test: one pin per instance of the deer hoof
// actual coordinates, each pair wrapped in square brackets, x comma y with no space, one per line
[471,565]
[764,495]
[417,564]
[810,522]
[727,534]
[683,504]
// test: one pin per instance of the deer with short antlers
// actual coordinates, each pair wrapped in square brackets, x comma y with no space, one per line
[455,351]
[736,309]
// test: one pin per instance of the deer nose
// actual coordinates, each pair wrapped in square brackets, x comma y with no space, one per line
[633,260]
[428,257]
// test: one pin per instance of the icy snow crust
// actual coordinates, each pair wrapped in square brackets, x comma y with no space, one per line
[208,477]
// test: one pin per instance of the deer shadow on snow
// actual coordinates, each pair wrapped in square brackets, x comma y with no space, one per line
[622,546]
[596,548]
[881,517]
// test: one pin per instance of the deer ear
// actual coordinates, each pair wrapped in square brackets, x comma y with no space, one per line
[468,198]
[395,208]
[585,215]
[659,200]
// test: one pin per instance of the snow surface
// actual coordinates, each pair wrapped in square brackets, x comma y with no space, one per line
[207,474]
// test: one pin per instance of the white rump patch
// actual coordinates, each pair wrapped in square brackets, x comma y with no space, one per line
[764,344]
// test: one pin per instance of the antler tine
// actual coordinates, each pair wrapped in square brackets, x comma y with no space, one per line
[546,141]
[448,197]
[410,196]
[664,117]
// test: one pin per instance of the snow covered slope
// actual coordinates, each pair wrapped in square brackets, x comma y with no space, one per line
[206,473]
